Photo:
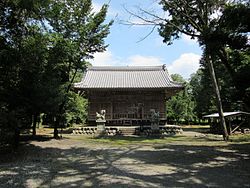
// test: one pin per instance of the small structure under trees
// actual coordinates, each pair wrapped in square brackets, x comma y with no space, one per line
[127,94]
[236,122]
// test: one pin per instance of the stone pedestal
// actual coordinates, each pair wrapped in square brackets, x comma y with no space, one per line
[155,130]
[100,126]
[154,126]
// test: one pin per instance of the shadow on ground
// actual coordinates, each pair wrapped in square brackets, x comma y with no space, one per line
[79,164]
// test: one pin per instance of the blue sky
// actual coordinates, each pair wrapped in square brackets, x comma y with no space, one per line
[181,57]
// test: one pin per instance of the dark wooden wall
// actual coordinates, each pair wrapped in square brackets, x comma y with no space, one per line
[126,104]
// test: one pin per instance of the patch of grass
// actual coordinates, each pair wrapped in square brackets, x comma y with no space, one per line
[240,138]
[131,140]
[125,140]
[208,139]
[196,126]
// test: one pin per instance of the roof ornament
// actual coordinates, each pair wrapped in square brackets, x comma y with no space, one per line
[164,67]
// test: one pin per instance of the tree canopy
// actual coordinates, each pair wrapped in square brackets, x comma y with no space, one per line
[44,45]
[210,23]
[181,106]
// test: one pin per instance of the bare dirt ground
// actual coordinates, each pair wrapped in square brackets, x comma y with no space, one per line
[178,161]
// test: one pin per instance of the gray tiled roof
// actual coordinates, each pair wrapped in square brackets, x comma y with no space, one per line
[126,77]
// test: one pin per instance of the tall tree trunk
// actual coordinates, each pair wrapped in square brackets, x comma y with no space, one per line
[56,125]
[217,94]
[34,124]
[16,137]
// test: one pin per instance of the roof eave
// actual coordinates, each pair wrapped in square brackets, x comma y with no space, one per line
[130,88]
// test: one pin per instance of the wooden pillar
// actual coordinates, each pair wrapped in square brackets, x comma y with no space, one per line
[111,110]
[142,111]
[165,102]
[229,126]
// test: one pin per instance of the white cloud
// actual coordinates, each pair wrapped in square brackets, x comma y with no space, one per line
[138,60]
[105,59]
[185,65]
[108,59]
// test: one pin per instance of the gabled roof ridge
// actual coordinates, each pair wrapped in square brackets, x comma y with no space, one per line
[130,77]
[126,68]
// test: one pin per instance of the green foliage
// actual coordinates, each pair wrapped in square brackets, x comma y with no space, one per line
[240,62]
[76,111]
[190,17]
[232,98]
[44,45]
[17,37]
[180,107]
[196,18]
[78,34]
[202,93]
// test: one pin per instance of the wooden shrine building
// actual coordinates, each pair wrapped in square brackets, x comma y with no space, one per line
[127,93]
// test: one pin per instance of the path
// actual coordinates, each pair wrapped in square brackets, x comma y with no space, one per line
[82,163]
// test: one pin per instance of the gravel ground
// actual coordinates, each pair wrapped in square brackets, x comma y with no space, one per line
[82,163]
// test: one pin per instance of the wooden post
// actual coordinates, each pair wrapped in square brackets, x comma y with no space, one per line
[111,110]
[142,111]
[229,126]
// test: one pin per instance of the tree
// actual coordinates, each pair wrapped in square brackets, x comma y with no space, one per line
[75,109]
[79,33]
[196,19]
[234,26]
[181,106]
[17,25]
[230,38]
[202,90]
[33,86]
[201,86]
[43,46]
